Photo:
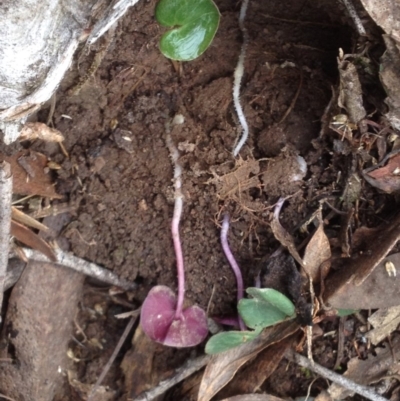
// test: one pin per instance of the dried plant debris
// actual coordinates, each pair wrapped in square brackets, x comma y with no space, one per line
[32,131]
[318,251]
[371,370]
[390,78]
[386,13]
[243,178]
[385,175]
[384,321]
[222,367]
[368,294]
[350,93]
[30,174]
[253,397]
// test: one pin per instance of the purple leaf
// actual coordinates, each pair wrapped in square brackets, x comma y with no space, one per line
[159,323]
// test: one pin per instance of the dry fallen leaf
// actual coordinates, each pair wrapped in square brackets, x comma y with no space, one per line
[29,176]
[386,13]
[370,370]
[223,367]
[28,237]
[282,235]
[367,295]
[137,365]
[350,93]
[250,378]
[385,321]
[253,397]
[386,175]
[317,252]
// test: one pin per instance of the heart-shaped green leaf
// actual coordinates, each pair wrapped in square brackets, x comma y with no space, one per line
[267,308]
[229,339]
[195,23]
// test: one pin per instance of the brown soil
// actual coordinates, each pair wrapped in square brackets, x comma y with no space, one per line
[123,187]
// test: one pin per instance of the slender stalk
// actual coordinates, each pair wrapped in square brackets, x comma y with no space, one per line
[232,261]
[82,266]
[175,222]
[5,222]
[332,376]
[238,75]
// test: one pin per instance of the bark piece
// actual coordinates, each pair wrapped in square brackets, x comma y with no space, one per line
[38,325]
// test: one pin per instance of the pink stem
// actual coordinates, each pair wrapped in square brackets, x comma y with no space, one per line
[233,263]
[175,225]
[179,254]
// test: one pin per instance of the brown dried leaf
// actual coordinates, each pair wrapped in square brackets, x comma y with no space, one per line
[223,367]
[367,295]
[28,237]
[282,235]
[250,378]
[354,271]
[137,365]
[385,177]
[318,251]
[370,370]
[253,397]
[386,13]
[27,220]
[29,177]
[32,131]
[385,321]
[350,94]
[390,77]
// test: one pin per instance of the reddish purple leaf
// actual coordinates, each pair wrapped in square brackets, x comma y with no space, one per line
[159,323]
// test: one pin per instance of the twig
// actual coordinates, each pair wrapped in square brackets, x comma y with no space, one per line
[354,16]
[190,367]
[5,222]
[177,216]
[82,266]
[121,341]
[238,75]
[233,263]
[334,377]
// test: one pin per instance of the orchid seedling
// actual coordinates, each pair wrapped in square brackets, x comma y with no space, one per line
[267,307]
[163,317]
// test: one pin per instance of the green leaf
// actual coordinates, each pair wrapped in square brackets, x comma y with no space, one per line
[229,339]
[267,308]
[273,297]
[195,23]
[346,312]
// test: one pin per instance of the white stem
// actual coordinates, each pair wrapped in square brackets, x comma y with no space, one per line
[238,75]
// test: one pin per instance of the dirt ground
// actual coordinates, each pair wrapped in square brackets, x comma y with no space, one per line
[118,178]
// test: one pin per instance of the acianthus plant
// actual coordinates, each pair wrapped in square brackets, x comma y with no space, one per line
[163,316]
[194,24]
[267,307]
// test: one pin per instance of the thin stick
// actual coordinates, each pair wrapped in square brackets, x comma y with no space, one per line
[190,367]
[334,377]
[232,261]
[238,75]
[354,16]
[5,222]
[82,266]
[176,219]
[106,368]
